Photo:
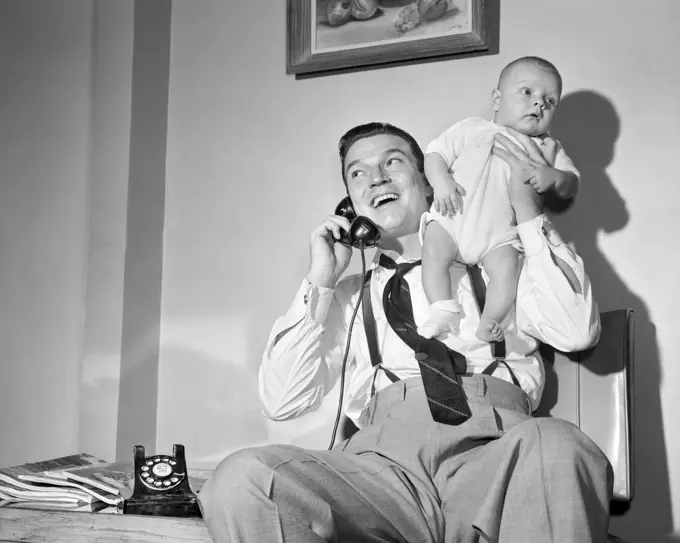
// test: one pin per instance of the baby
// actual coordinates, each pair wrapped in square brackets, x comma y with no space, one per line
[460,163]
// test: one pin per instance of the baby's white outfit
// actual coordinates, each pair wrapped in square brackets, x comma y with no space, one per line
[487,219]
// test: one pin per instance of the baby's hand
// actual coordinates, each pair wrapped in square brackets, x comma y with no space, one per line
[543,179]
[448,198]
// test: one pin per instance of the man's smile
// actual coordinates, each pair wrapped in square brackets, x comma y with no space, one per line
[385,198]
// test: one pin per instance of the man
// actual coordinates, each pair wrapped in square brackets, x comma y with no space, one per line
[499,475]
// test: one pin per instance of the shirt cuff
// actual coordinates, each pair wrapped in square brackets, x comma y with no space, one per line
[317,300]
[537,233]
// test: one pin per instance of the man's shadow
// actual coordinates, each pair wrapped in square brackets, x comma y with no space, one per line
[588,127]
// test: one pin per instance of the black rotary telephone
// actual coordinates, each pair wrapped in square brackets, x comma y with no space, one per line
[161,486]
[361,229]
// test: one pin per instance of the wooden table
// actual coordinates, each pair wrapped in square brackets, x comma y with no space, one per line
[35,526]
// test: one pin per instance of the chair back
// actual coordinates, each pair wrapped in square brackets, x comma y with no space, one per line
[593,389]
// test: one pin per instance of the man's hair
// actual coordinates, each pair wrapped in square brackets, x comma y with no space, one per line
[374,129]
[538,61]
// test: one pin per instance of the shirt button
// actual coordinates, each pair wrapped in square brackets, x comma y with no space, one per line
[306,299]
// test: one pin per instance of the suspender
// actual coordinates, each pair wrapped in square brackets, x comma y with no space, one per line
[479,293]
[498,350]
[497,347]
[371,333]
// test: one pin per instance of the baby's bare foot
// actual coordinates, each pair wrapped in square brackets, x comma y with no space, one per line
[489,330]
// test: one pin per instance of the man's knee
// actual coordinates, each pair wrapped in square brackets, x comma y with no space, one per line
[561,440]
[240,474]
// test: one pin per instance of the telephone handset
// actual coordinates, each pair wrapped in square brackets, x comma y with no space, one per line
[161,486]
[361,229]
[362,233]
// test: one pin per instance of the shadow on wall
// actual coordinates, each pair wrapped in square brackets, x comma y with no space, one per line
[588,127]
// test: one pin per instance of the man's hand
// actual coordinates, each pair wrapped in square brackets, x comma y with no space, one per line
[328,259]
[526,201]
[545,155]
[448,197]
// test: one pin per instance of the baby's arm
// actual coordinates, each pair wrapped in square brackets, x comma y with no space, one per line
[564,183]
[446,190]
[440,155]
[556,172]
[566,187]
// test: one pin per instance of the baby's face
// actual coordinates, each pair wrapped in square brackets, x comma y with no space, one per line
[527,99]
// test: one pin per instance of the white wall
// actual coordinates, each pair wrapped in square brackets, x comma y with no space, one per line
[45,68]
[64,159]
[252,167]
[110,154]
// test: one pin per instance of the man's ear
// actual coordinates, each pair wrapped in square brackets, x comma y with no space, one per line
[495,99]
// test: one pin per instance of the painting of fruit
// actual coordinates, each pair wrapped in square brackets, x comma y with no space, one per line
[324,37]
[364,9]
[334,13]
[349,23]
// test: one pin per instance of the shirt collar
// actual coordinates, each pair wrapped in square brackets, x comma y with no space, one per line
[392,254]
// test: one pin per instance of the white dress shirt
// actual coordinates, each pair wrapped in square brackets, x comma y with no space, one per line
[303,357]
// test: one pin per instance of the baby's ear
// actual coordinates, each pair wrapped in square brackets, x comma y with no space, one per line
[495,99]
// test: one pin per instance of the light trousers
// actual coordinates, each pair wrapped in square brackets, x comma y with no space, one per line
[501,476]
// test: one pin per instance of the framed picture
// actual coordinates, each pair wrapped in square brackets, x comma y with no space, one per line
[340,35]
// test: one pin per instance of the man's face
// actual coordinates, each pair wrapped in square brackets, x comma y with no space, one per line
[528,99]
[385,185]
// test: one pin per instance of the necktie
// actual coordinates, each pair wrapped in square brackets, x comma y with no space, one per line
[438,364]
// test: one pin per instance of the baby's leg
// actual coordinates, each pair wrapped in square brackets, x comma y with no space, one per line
[503,267]
[439,253]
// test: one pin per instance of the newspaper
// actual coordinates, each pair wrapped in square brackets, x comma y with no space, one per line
[32,482]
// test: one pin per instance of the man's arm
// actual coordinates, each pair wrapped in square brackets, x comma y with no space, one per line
[303,357]
[555,303]
[554,297]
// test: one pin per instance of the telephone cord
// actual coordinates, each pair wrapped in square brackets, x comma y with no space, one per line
[347,344]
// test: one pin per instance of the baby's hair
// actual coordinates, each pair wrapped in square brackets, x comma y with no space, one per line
[538,61]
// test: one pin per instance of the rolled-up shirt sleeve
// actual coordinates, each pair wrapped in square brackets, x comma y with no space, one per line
[548,307]
[303,356]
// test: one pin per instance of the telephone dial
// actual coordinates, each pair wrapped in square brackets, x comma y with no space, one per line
[361,229]
[161,486]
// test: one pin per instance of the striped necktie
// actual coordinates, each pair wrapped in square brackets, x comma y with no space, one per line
[438,364]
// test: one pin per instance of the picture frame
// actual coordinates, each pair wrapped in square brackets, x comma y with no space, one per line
[331,36]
